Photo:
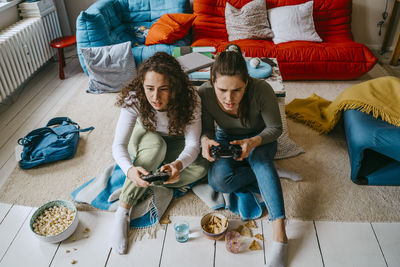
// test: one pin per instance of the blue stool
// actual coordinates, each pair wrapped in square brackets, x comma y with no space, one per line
[374,149]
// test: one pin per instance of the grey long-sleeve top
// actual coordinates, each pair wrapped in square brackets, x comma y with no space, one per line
[264,113]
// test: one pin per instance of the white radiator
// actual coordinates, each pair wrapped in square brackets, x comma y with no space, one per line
[24,48]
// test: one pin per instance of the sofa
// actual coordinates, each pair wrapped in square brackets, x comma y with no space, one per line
[109,22]
[337,57]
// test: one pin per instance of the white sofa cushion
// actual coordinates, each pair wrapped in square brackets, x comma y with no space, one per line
[293,23]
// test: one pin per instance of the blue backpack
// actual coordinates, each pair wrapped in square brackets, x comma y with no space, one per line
[49,144]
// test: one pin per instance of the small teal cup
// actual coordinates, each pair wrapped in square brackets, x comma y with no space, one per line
[182,231]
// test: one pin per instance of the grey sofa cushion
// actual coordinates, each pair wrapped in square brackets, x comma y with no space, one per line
[249,22]
[109,67]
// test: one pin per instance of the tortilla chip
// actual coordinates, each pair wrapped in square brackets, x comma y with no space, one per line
[165,220]
[251,224]
[224,222]
[255,246]
[215,225]
[259,236]
[239,229]
[246,232]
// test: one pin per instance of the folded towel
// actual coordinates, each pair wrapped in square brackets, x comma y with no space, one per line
[103,191]
[380,96]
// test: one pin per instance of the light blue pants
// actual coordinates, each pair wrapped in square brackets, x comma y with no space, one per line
[227,175]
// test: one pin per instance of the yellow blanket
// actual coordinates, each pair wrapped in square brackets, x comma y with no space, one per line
[380,96]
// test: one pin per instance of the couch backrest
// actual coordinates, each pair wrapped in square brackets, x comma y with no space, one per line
[145,13]
[108,22]
[332,18]
[101,25]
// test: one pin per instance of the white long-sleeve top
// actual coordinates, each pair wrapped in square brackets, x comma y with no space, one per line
[126,123]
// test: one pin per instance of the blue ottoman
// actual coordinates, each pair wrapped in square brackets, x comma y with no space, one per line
[374,149]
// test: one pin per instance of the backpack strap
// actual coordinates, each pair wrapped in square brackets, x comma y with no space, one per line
[60,120]
[76,131]
[86,129]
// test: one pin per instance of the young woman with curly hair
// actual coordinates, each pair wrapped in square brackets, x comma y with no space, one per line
[159,125]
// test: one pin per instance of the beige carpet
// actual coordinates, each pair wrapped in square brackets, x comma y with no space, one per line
[326,193]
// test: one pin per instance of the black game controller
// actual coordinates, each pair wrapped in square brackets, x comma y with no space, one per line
[158,176]
[226,151]
[268,61]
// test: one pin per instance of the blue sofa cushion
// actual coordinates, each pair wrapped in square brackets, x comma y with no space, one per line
[142,52]
[374,149]
[108,22]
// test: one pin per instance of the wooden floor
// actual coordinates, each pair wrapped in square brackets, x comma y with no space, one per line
[311,243]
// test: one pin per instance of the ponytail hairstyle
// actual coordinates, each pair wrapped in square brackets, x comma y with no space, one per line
[233,48]
[182,99]
[231,63]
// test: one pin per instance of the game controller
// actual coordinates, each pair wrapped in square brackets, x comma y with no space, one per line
[226,151]
[268,61]
[158,176]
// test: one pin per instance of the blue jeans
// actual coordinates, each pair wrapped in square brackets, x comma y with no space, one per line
[227,175]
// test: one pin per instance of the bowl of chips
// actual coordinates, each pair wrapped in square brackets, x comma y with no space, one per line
[214,225]
[54,221]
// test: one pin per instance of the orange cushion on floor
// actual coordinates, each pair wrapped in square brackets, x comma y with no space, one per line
[169,28]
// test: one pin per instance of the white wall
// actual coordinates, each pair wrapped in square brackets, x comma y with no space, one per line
[8,17]
[63,18]
[73,9]
[366,14]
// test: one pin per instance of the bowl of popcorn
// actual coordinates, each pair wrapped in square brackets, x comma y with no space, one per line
[214,225]
[55,221]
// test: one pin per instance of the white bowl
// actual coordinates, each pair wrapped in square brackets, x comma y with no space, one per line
[63,235]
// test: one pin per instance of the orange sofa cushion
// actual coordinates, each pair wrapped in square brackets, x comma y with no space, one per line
[337,57]
[169,28]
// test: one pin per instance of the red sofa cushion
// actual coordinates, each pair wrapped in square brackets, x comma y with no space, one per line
[337,57]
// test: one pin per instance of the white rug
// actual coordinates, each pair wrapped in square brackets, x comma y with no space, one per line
[326,192]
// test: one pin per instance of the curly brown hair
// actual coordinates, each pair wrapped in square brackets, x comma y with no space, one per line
[182,98]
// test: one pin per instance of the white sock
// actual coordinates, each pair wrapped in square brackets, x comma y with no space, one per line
[277,256]
[119,235]
[283,173]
